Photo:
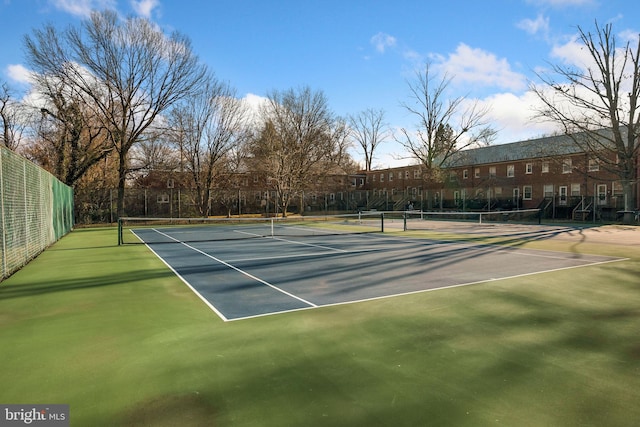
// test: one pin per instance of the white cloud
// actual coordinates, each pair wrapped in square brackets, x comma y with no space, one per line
[573,53]
[413,56]
[513,116]
[18,73]
[630,36]
[255,104]
[255,101]
[82,8]
[144,8]
[479,67]
[382,41]
[540,25]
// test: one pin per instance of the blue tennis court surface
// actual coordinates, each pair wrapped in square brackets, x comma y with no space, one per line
[241,279]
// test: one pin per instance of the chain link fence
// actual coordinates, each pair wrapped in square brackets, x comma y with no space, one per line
[36,210]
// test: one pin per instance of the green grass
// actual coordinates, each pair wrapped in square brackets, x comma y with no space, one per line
[112,332]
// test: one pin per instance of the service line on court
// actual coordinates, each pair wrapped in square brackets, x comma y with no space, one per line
[263,258]
[293,242]
[233,267]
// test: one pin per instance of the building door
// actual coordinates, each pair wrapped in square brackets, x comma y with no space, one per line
[601,194]
[516,197]
[562,193]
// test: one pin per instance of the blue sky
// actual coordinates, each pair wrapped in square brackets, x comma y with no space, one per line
[359,53]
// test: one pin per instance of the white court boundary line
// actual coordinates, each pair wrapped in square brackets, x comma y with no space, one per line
[458,285]
[313,306]
[233,267]
[185,281]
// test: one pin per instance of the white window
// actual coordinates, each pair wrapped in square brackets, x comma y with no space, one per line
[575,190]
[566,166]
[476,172]
[390,176]
[416,173]
[453,177]
[511,171]
[527,192]
[492,171]
[594,165]
[617,189]
[545,167]
[529,168]
[381,177]
[548,190]
[465,174]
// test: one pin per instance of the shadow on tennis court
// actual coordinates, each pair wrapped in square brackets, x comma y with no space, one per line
[245,279]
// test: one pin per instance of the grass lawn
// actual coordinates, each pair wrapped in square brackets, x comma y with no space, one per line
[113,333]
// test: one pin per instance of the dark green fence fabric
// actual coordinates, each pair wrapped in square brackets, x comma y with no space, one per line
[36,209]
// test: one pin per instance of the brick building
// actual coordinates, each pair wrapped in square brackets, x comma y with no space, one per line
[550,173]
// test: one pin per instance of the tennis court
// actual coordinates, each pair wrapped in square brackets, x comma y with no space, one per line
[307,267]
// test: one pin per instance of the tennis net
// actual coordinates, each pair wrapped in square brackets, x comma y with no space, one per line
[171,230]
[419,220]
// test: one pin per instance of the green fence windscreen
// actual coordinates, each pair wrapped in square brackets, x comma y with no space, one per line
[35,210]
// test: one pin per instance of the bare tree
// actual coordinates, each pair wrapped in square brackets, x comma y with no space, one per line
[73,139]
[603,93]
[10,119]
[369,130]
[339,160]
[154,154]
[298,138]
[444,127]
[207,130]
[127,70]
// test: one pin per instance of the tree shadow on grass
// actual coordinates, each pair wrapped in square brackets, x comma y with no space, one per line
[25,290]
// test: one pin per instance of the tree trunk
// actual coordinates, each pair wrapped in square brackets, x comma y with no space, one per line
[122,180]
